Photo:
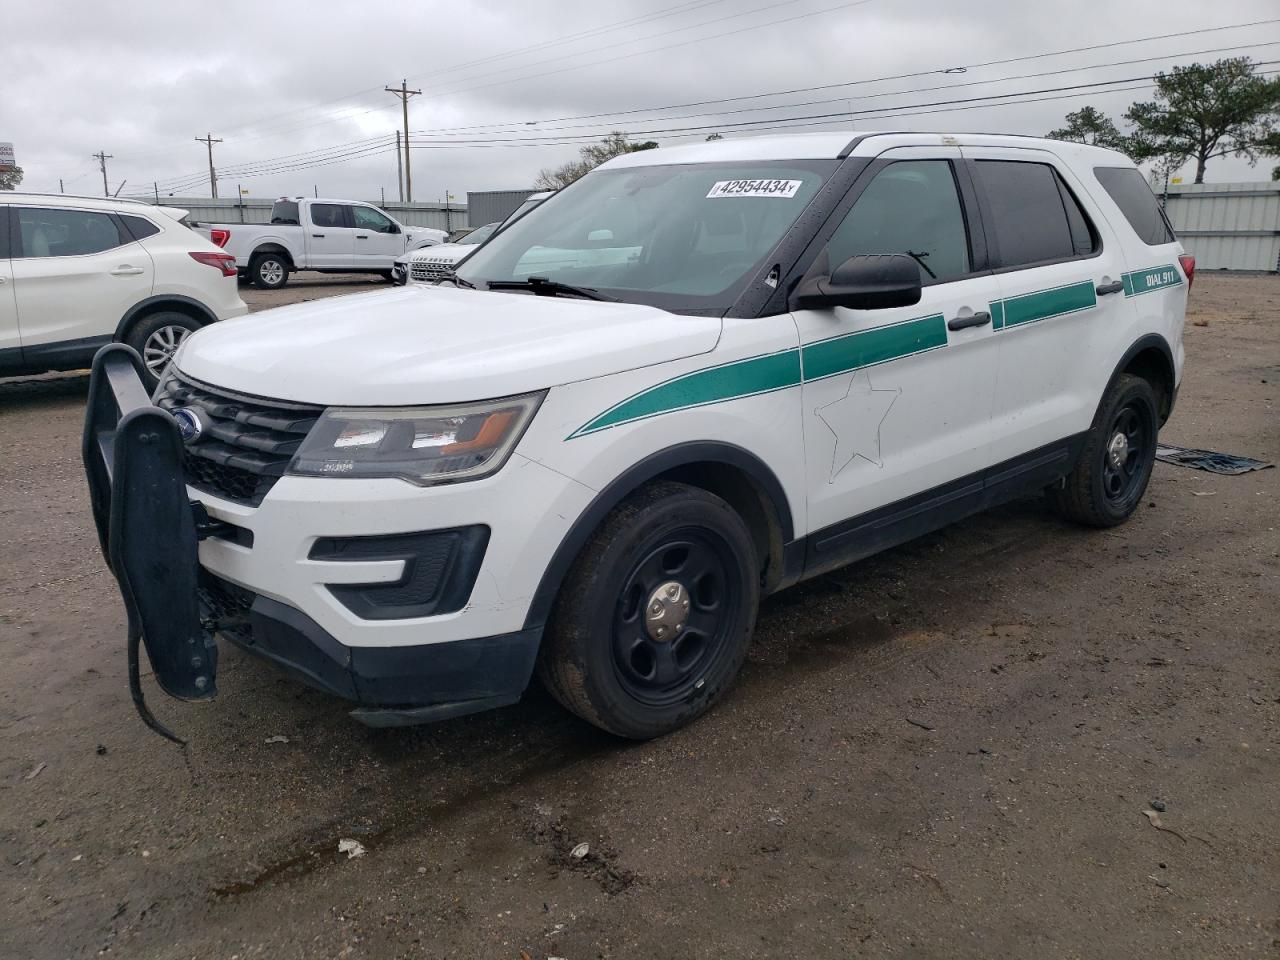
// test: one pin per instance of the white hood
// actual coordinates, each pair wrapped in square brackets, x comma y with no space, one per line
[444,252]
[427,344]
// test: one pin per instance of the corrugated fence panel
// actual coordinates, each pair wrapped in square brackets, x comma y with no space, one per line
[489,206]
[1228,226]
[229,210]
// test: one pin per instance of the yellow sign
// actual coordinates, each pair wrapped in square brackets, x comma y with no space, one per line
[1176,180]
[244,191]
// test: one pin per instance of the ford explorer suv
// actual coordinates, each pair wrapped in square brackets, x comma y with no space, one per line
[693,378]
[79,272]
[327,236]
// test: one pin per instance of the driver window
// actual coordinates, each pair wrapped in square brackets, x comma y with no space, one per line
[369,219]
[911,207]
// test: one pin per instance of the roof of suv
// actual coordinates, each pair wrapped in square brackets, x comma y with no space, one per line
[831,146]
[71,200]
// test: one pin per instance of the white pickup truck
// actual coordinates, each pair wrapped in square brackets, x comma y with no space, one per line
[330,236]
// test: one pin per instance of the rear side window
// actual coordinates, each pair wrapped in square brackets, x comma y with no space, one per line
[327,215]
[139,228]
[1134,198]
[46,232]
[285,211]
[1034,215]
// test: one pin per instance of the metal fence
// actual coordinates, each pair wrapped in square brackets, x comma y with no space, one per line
[258,210]
[490,206]
[1227,226]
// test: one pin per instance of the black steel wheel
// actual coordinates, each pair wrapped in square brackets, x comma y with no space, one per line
[653,620]
[1110,477]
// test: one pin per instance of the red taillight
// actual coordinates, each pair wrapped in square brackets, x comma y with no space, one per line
[219,237]
[223,261]
[1188,263]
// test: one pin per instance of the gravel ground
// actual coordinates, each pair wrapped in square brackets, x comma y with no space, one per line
[946,751]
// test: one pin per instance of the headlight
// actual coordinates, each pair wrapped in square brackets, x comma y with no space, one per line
[424,445]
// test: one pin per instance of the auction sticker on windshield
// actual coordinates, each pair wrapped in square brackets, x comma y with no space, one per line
[754,188]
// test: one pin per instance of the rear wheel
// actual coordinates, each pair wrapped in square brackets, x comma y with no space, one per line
[157,338]
[654,618]
[269,271]
[1108,481]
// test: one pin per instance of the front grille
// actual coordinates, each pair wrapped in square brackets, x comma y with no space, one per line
[430,271]
[227,605]
[246,444]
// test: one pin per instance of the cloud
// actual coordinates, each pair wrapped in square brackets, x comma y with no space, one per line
[274,81]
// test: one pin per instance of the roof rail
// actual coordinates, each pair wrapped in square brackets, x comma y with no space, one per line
[76,196]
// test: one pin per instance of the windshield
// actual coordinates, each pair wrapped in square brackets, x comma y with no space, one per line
[479,234]
[521,210]
[683,236]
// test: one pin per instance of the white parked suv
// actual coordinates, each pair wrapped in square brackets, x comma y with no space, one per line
[693,378]
[77,273]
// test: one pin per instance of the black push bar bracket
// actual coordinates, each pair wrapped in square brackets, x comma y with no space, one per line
[147,531]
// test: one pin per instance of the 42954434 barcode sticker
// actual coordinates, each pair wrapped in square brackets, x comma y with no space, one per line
[754,188]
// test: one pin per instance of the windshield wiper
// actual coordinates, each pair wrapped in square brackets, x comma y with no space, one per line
[458,281]
[544,287]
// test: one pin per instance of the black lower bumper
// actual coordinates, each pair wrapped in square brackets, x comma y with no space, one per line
[391,685]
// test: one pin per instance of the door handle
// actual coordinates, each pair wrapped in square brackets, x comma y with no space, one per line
[1106,288]
[127,271]
[977,319]
[317,236]
[362,236]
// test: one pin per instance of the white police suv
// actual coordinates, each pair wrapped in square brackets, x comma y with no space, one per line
[695,377]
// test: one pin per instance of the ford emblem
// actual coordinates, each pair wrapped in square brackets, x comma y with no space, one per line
[190,426]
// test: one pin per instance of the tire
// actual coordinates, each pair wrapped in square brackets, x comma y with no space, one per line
[269,271]
[602,657]
[388,275]
[1110,477]
[156,337]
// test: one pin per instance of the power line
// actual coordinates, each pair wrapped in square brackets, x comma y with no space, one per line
[962,68]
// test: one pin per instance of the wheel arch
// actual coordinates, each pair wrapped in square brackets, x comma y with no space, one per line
[731,472]
[164,301]
[1151,358]
[273,247]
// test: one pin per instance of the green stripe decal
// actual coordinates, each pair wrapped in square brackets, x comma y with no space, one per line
[869,347]
[1044,304]
[1139,282]
[774,371]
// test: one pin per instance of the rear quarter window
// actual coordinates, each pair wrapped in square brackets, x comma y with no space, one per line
[285,211]
[1129,190]
[139,227]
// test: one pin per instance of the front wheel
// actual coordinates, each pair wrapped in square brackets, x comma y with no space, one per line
[1109,478]
[269,271]
[157,339]
[653,621]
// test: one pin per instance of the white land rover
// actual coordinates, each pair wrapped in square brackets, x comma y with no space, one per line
[693,378]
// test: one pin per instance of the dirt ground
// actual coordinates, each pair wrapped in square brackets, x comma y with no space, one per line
[946,751]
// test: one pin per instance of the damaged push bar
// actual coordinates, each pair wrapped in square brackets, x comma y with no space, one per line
[147,530]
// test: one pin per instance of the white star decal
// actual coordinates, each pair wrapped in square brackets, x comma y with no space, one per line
[855,419]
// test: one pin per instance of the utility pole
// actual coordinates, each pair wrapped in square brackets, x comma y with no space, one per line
[404,93]
[399,168]
[208,140]
[61,188]
[102,159]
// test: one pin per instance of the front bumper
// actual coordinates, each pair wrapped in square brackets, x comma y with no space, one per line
[391,685]
[284,581]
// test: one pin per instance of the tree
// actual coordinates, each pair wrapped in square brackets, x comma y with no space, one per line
[10,179]
[1091,126]
[1204,111]
[592,155]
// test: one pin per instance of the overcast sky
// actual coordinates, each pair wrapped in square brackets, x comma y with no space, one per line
[287,84]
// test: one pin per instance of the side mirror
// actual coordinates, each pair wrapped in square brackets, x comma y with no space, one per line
[864,282]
